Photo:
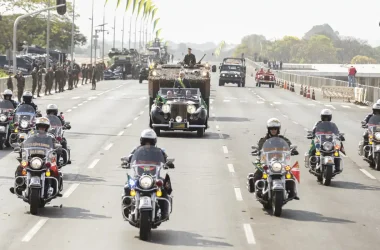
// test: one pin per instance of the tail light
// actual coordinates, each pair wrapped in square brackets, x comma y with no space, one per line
[59,139]
[159,183]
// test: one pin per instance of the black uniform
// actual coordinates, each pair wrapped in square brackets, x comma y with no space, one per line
[190,59]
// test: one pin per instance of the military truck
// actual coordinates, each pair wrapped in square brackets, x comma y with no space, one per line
[164,76]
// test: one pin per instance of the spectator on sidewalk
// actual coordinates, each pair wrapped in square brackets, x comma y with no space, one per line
[351,76]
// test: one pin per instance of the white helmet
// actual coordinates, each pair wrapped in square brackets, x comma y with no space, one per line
[7,92]
[326,115]
[274,123]
[376,108]
[52,107]
[43,122]
[148,136]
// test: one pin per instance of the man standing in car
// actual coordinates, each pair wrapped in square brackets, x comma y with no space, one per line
[189,58]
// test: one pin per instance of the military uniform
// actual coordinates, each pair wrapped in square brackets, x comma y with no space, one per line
[10,83]
[49,78]
[20,85]
[84,74]
[34,81]
[39,80]
[189,59]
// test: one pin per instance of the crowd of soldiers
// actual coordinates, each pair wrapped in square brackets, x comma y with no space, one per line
[57,77]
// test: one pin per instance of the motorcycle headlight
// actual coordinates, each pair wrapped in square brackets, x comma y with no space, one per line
[166,108]
[223,75]
[22,135]
[146,182]
[2,129]
[204,73]
[24,124]
[3,118]
[377,136]
[327,146]
[191,109]
[36,163]
[178,119]
[147,69]
[276,167]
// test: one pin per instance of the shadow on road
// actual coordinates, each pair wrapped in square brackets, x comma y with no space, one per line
[70,213]
[229,119]
[193,135]
[353,185]
[182,238]
[300,215]
[81,178]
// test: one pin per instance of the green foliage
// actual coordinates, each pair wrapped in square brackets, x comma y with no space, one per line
[363,60]
[318,48]
[3,73]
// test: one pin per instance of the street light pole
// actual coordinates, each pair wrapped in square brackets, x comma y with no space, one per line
[135,33]
[92,29]
[114,30]
[47,39]
[122,38]
[130,32]
[104,20]
[72,36]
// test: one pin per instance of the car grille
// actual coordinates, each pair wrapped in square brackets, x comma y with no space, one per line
[178,110]
[267,78]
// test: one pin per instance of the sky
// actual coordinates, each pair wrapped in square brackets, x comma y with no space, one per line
[200,21]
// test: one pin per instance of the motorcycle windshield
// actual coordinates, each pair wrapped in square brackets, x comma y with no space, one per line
[374,123]
[147,160]
[38,144]
[55,125]
[5,107]
[25,112]
[275,149]
[325,131]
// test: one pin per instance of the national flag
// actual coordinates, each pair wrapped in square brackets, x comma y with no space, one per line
[296,171]
[160,99]
[312,147]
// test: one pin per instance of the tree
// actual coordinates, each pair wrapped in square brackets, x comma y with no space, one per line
[363,60]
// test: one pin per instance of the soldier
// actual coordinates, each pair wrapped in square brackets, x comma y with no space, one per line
[20,85]
[39,78]
[94,75]
[89,72]
[49,78]
[57,78]
[10,81]
[84,73]
[63,79]
[189,58]
[71,78]
[34,80]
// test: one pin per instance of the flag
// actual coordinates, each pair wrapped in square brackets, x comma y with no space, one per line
[296,171]
[312,147]
[160,99]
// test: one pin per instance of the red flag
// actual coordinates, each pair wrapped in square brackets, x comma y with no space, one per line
[296,171]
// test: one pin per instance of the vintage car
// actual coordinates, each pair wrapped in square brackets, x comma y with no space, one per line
[267,78]
[232,70]
[179,109]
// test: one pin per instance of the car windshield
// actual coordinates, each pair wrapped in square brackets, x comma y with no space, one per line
[275,149]
[174,93]
[147,160]
[38,144]
[25,112]
[230,68]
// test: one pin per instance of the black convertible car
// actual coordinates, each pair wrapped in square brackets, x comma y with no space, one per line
[179,109]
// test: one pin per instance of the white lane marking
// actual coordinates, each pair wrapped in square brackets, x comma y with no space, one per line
[261,98]
[34,230]
[225,149]
[217,127]
[143,98]
[311,104]
[101,93]
[135,119]
[295,122]
[75,107]
[69,110]
[231,168]
[76,97]
[129,125]
[70,190]
[259,102]
[85,101]
[285,116]
[93,164]
[238,195]
[120,133]
[331,106]
[345,106]
[142,112]
[277,102]
[367,174]
[362,107]
[249,234]
[243,101]
[271,104]
[80,104]
[108,146]
[226,100]
[277,109]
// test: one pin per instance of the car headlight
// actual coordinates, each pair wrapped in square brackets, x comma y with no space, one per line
[24,124]
[146,182]
[328,160]
[191,109]
[166,108]
[327,146]
[36,163]
[178,119]
[147,69]
[276,167]
[204,73]
[377,136]
[22,136]
[235,75]
[154,73]
[3,118]
[223,75]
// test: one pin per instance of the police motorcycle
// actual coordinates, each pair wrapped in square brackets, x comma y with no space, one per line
[6,116]
[23,123]
[56,131]
[327,143]
[39,180]
[371,152]
[278,181]
[143,193]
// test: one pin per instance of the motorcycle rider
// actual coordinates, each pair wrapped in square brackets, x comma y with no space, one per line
[27,99]
[375,111]
[273,126]
[149,137]
[42,126]
[326,116]
[52,109]
[8,96]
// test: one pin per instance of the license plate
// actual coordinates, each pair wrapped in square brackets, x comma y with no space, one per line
[146,201]
[35,181]
[179,125]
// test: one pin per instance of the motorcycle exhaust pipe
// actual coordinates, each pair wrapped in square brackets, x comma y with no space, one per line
[313,159]
[260,185]
[127,201]
[20,181]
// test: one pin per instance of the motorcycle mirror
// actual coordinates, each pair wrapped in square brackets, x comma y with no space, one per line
[124,159]
[293,146]
[254,147]
[170,160]
[342,134]
[309,137]
[67,123]
[309,132]
[255,153]
[17,150]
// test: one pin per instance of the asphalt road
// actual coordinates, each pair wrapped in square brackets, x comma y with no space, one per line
[212,207]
